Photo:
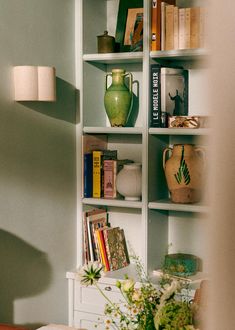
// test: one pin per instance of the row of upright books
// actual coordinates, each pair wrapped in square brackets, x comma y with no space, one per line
[177,28]
[100,167]
[102,242]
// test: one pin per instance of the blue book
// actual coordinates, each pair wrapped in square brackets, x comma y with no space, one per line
[88,175]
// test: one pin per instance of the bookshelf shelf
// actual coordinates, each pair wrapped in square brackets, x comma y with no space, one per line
[180,54]
[112,202]
[166,204]
[115,58]
[113,130]
[179,131]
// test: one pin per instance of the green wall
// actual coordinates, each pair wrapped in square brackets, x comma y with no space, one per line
[37,165]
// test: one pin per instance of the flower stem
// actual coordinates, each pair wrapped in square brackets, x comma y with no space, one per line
[109,301]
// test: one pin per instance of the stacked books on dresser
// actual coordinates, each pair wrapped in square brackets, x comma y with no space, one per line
[102,242]
[177,28]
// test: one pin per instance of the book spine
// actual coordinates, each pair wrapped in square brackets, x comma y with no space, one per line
[85,240]
[154,25]
[107,248]
[110,173]
[90,241]
[169,27]
[176,27]
[87,175]
[155,100]
[194,28]
[102,248]
[95,242]
[182,28]
[97,174]
[125,248]
[163,25]
[187,27]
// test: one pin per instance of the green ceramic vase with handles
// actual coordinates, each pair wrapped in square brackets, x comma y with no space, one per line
[185,172]
[118,97]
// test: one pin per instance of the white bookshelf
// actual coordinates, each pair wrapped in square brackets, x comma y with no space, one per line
[154,223]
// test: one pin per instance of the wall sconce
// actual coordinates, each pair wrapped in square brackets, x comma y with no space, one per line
[34,83]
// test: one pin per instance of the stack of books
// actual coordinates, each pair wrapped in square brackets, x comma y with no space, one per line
[177,28]
[103,243]
[100,167]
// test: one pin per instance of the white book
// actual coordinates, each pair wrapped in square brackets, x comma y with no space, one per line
[169,44]
[187,27]
[176,27]
[163,25]
[182,28]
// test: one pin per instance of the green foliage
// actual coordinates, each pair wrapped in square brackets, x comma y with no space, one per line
[174,315]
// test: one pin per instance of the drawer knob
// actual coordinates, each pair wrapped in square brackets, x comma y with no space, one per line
[108,288]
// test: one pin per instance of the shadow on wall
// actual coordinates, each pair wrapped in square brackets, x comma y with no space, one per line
[25,271]
[66,105]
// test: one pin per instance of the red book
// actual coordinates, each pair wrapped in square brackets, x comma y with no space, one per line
[103,253]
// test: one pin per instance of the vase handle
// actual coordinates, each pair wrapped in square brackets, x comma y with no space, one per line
[130,80]
[201,152]
[164,156]
[106,80]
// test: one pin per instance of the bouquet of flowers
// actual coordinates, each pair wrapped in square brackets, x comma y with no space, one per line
[144,306]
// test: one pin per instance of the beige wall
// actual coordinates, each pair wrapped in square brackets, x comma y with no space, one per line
[37,165]
[222,224]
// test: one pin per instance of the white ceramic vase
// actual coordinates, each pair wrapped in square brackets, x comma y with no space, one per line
[129,182]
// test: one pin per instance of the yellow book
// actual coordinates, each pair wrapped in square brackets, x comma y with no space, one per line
[97,173]
[101,250]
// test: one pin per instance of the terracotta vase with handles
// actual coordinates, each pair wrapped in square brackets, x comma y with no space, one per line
[118,97]
[184,172]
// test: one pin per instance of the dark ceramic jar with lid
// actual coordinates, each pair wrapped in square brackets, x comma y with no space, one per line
[106,43]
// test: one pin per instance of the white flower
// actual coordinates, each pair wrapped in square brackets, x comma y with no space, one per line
[89,273]
[134,311]
[107,322]
[136,295]
[127,285]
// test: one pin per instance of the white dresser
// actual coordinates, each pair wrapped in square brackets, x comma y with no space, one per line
[86,303]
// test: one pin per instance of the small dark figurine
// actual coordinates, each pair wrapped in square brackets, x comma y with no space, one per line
[178,101]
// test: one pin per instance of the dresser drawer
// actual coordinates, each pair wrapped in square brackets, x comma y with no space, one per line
[89,299]
[88,321]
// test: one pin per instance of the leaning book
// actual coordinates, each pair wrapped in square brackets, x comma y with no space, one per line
[116,248]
